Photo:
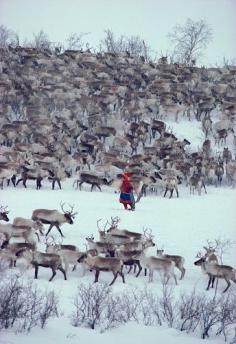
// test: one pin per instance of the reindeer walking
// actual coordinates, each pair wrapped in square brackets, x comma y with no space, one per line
[54,217]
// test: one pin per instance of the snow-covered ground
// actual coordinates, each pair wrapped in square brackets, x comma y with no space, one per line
[180,226]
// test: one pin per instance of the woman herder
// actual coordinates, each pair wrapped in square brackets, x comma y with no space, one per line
[126,195]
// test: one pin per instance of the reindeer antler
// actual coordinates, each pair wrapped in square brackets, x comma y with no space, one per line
[68,211]
[199,255]
[71,211]
[147,232]
[62,207]
[114,221]
[104,227]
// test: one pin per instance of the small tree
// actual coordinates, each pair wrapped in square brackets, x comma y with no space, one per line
[133,45]
[190,40]
[40,41]
[8,37]
[76,41]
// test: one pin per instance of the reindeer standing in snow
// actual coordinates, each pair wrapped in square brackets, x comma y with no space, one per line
[54,217]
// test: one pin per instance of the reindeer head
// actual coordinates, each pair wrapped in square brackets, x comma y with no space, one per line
[69,215]
[3,214]
[148,238]
[201,259]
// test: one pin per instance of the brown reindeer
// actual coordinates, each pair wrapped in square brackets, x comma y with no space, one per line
[54,217]
[178,260]
[99,264]
[210,266]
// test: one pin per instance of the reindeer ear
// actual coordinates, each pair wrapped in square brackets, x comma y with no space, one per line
[205,248]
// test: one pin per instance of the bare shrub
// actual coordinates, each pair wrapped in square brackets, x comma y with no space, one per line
[209,316]
[189,312]
[25,306]
[227,316]
[90,303]
[150,311]
[167,304]
[133,45]
[96,306]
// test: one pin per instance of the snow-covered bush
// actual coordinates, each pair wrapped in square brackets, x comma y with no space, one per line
[24,306]
[96,306]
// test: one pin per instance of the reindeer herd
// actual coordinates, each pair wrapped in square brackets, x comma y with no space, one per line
[92,116]
[116,249]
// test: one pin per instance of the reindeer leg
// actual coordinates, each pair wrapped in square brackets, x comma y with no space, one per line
[182,272]
[165,192]
[96,276]
[213,281]
[24,182]
[59,183]
[228,285]
[49,229]
[53,274]
[63,271]
[177,192]
[36,269]
[115,277]
[209,282]
[59,230]
[140,268]
[53,184]
[18,181]
[122,276]
[98,186]
[130,268]
[37,237]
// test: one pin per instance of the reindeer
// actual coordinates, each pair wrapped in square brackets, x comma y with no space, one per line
[69,253]
[3,214]
[207,125]
[171,185]
[47,260]
[133,236]
[219,171]
[178,260]
[98,264]
[54,217]
[25,232]
[92,179]
[166,266]
[102,247]
[8,172]
[214,270]
[131,256]
[112,238]
[196,182]
[227,155]
[37,226]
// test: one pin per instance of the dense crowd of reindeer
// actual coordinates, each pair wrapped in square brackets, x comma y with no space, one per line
[92,116]
[115,249]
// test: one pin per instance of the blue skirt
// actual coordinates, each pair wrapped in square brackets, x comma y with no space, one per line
[126,198]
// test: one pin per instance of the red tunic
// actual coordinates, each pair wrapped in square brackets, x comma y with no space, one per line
[126,186]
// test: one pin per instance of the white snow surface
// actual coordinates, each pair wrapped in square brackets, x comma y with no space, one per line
[180,226]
